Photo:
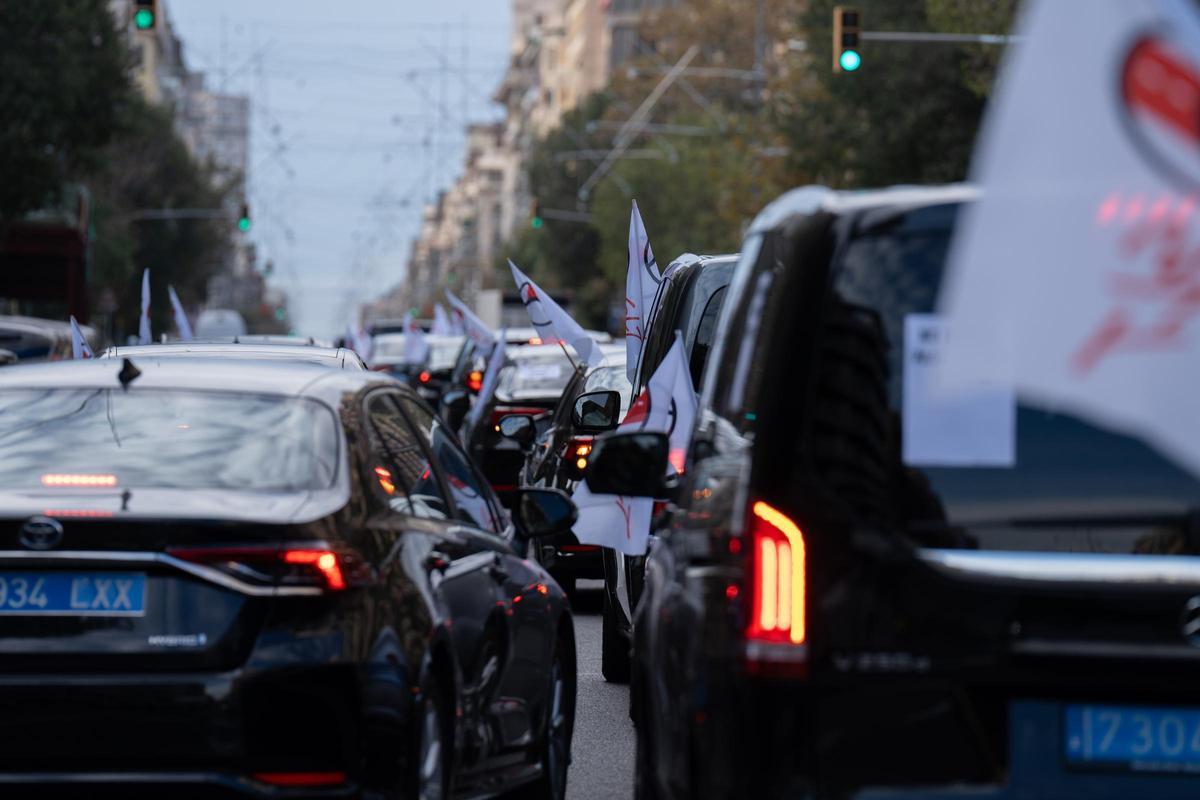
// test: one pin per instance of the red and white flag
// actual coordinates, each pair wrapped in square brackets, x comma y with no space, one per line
[79,343]
[475,328]
[552,323]
[641,286]
[416,349]
[1075,278]
[666,405]
[441,322]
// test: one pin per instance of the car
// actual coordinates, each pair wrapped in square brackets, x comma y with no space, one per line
[34,338]
[334,357]
[220,322]
[557,447]
[430,375]
[267,579]
[842,607]
[689,301]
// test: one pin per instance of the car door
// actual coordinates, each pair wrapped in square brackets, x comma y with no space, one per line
[459,569]
[513,697]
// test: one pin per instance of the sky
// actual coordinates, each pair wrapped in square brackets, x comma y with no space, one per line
[358,117]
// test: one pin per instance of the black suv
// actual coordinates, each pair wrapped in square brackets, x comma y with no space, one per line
[689,301]
[834,613]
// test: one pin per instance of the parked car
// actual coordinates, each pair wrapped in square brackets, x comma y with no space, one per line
[36,339]
[217,322]
[335,357]
[557,448]
[689,301]
[834,612]
[268,579]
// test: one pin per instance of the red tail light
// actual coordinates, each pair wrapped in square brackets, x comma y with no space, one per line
[301,778]
[777,628]
[475,381]
[579,449]
[425,376]
[317,566]
[506,411]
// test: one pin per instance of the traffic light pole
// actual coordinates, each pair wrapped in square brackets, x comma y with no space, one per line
[179,213]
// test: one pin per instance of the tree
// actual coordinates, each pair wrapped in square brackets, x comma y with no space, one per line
[63,87]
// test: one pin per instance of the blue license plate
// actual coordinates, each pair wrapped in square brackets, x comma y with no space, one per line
[73,594]
[1143,738]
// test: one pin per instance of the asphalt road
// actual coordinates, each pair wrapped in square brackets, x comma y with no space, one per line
[602,754]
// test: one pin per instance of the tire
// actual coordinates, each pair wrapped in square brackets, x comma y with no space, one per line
[429,777]
[643,777]
[614,650]
[555,747]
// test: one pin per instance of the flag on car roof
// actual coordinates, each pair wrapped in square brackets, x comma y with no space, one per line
[667,405]
[181,320]
[144,336]
[641,285]
[1073,278]
[441,322]
[475,328]
[416,349]
[552,323]
[491,375]
[79,343]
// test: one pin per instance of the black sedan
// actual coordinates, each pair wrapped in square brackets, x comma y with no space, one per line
[267,579]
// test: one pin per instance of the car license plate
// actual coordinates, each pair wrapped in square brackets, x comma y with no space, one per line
[73,594]
[1142,738]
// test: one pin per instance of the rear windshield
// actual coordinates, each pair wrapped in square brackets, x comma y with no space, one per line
[997,457]
[535,377]
[443,354]
[165,439]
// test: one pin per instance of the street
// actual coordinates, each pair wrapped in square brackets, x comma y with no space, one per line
[603,750]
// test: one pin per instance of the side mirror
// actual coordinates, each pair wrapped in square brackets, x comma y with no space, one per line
[518,428]
[7,357]
[632,464]
[455,406]
[596,412]
[539,513]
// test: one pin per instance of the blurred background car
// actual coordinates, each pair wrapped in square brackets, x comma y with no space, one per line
[219,322]
[335,357]
[35,339]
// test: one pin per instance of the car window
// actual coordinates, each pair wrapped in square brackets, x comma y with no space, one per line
[613,379]
[469,493]
[405,478]
[705,332]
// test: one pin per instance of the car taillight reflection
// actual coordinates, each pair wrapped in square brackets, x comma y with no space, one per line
[778,583]
[316,566]
[89,480]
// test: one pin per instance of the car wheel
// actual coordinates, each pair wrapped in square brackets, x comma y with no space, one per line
[560,725]
[614,650]
[643,777]
[430,777]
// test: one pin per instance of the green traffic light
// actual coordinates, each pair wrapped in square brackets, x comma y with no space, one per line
[536,223]
[244,224]
[850,60]
[280,314]
[144,19]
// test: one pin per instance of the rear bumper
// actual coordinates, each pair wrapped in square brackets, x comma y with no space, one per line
[570,561]
[211,731]
[158,785]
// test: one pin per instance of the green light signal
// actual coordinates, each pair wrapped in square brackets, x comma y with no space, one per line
[244,224]
[536,223]
[143,19]
[281,313]
[850,60]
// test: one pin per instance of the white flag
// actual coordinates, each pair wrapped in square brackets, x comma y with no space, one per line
[1074,278]
[416,349]
[181,319]
[552,323]
[79,343]
[144,336]
[441,322]
[473,326]
[490,376]
[641,285]
[667,405]
[358,340]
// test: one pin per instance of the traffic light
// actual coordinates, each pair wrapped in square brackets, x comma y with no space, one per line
[145,14]
[535,214]
[847,23]
[244,219]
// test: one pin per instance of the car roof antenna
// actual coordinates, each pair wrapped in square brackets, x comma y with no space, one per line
[128,374]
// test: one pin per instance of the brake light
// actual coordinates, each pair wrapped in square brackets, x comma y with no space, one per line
[425,377]
[475,381]
[779,575]
[317,566]
[78,479]
[578,451]
[326,562]
[301,778]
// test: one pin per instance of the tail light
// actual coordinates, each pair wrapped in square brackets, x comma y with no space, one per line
[576,457]
[776,632]
[301,779]
[425,376]
[475,381]
[316,566]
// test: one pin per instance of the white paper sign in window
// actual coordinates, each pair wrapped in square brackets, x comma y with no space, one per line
[974,426]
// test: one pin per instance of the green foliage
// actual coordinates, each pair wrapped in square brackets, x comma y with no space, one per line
[63,87]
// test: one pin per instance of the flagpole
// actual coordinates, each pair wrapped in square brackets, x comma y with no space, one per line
[567,354]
